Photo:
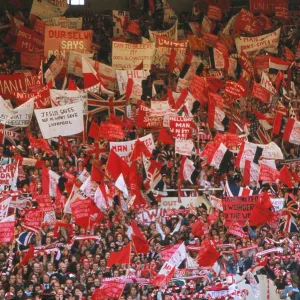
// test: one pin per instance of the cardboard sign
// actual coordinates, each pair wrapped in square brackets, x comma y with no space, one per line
[39,26]
[64,97]
[137,76]
[47,10]
[128,56]
[111,132]
[22,115]
[172,202]
[278,203]
[61,121]
[124,149]
[29,41]
[60,41]
[71,23]
[238,209]
[198,88]
[184,147]
[180,127]
[8,176]
[268,42]
[234,89]
[148,118]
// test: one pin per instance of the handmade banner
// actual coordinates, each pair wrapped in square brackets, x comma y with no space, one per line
[111,132]
[238,209]
[18,83]
[109,290]
[30,60]
[70,23]
[214,13]
[22,115]
[64,97]
[278,203]
[7,229]
[60,41]
[174,255]
[4,206]
[46,206]
[128,56]
[41,97]
[137,76]
[169,34]
[124,149]
[29,41]
[248,23]
[75,62]
[266,7]
[172,202]
[184,147]
[261,93]
[6,111]
[196,43]
[8,176]
[148,118]
[47,10]
[268,42]
[61,121]
[180,127]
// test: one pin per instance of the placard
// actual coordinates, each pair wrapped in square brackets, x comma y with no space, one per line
[128,56]
[70,23]
[60,41]
[238,209]
[47,10]
[61,121]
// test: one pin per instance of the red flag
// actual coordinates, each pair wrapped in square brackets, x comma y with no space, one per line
[236,229]
[28,255]
[261,212]
[165,137]
[139,149]
[95,215]
[278,80]
[72,86]
[81,212]
[109,290]
[208,254]
[140,66]
[199,228]
[94,130]
[140,243]
[7,229]
[285,177]
[96,174]
[120,257]
[116,165]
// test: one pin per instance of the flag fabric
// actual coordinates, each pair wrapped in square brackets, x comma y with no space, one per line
[287,221]
[28,255]
[250,173]
[109,290]
[165,137]
[139,149]
[292,132]
[220,158]
[186,169]
[261,213]
[116,165]
[140,243]
[199,228]
[120,257]
[208,254]
[231,189]
[279,123]
[259,266]
[236,229]
[7,230]
[25,238]
[285,177]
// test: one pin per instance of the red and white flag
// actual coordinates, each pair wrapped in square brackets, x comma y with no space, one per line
[236,229]
[292,131]
[186,169]
[7,229]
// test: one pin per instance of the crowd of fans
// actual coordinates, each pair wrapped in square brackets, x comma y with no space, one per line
[81,266]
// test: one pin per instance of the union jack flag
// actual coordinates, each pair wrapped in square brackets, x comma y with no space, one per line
[287,221]
[10,135]
[98,105]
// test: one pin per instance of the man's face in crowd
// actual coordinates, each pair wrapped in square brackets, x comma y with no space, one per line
[69,283]
[63,268]
[36,268]
[97,282]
